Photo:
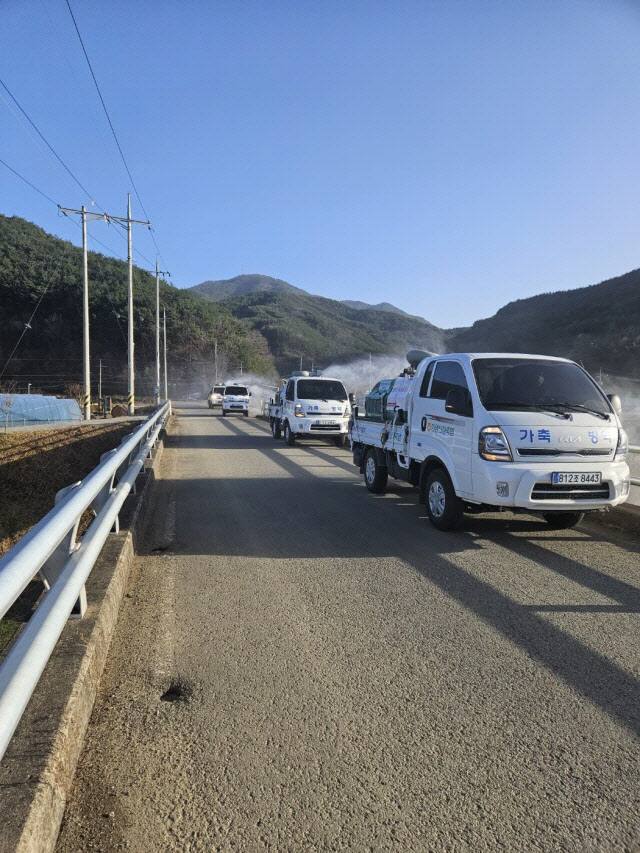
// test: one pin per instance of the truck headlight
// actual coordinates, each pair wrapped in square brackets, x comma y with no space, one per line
[298,411]
[346,413]
[493,445]
[623,446]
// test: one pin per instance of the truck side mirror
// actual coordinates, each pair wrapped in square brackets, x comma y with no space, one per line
[616,403]
[352,400]
[458,402]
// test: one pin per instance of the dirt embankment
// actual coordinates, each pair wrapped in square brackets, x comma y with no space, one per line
[35,465]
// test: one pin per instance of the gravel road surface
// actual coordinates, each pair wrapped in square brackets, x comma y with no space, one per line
[301,665]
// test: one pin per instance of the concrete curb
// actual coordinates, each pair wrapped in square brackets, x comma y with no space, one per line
[37,770]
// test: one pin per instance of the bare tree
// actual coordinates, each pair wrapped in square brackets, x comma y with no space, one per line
[75,391]
[7,398]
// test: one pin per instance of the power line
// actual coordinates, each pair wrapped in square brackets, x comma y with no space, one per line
[106,112]
[49,146]
[33,186]
[26,326]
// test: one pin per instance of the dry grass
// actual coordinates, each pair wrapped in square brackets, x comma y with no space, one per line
[35,465]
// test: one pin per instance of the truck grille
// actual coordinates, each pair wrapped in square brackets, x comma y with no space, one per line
[543,451]
[576,492]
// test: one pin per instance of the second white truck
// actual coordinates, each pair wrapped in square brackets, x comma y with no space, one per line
[310,406]
[492,431]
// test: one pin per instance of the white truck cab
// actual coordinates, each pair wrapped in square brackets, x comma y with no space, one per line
[215,397]
[310,405]
[491,431]
[235,400]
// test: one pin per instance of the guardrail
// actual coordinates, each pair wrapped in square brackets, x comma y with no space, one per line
[50,549]
[634,448]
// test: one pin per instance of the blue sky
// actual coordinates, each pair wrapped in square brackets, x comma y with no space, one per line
[448,157]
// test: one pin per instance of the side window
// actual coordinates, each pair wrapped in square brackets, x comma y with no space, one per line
[448,375]
[426,379]
[290,390]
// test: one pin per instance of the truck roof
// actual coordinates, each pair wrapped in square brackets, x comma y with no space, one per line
[469,356]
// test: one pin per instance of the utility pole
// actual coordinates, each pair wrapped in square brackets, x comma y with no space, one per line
[166,385]
[86,373]
[215,355]
[130,222]
[100,382]
[164,272]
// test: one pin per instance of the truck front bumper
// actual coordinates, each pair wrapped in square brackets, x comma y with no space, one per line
[511,484]
[319,427]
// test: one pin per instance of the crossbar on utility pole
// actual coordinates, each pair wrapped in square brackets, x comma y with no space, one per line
[130,222]
[164,272]
[86,372]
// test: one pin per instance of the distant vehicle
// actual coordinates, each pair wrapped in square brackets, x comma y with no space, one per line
[310,406]
[215,396]
[235,400]
[195,395]
[493,431]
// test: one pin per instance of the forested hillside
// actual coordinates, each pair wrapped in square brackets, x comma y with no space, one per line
[598,325]
[36,267]
[324,330]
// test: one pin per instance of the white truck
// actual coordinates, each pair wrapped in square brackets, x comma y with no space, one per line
[235,400]
[310,405]
[494,431]
[215,396]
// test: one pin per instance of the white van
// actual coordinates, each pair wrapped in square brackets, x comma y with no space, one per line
[235,400]
[500,430]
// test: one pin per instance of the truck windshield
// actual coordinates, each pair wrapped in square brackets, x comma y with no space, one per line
[526,383]
[236,390]
[321,389]
[217,389]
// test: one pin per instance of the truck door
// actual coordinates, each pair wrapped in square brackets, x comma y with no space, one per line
[289,398]
[449,435]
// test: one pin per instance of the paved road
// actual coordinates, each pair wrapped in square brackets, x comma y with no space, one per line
[350,678]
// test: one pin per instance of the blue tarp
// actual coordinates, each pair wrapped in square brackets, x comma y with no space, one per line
[25,409]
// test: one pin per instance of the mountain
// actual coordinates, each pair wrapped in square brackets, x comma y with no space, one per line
[41,275]
[241,285]
[326,330]
[381,306]
[598,325]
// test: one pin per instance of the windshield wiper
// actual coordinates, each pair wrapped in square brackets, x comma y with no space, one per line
[578,407]
[520,405]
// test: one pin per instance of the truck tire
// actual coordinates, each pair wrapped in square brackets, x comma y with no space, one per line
[246,414]
[224,414]
[275,428]
[444,507]
[562,520]
[340,440]
[289,436]
[375,474]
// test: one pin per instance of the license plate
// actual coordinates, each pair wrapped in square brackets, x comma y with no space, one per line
[324,421]
[562,478]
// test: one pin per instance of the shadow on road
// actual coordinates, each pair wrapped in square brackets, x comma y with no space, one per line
[303,515]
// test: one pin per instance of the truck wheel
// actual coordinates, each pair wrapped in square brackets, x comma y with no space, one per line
[246,414]
[444,508]
[340,440]
[289,437]
[275,428]
[562,520]
[375,474]
[224,414]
